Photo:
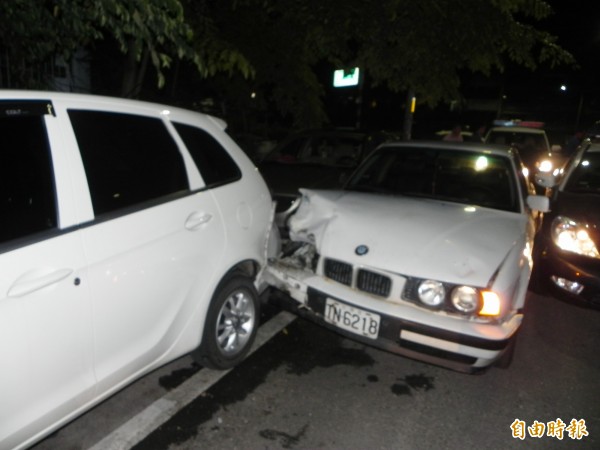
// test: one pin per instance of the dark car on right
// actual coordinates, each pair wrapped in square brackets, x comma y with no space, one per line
[566,252]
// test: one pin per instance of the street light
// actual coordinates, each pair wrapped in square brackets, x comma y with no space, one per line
[563,88]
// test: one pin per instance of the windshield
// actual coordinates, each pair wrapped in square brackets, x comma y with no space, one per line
[586,176]
[464,177]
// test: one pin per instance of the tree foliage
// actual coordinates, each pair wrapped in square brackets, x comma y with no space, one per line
[273,46]
[32,32]
[416,45]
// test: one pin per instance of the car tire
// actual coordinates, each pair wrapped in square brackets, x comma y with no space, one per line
[231,324]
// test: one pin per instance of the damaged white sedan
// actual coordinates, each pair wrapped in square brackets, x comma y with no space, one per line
[426,253]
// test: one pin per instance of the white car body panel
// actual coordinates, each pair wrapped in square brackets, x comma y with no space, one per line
[101,301]
[396,240]
[448,241]
[147,266]
[45,335]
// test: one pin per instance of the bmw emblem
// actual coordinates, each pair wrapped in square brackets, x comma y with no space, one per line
[361,250]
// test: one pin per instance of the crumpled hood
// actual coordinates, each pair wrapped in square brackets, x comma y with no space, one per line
[417,237]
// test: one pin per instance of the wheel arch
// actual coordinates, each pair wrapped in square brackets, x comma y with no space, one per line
[208,353]
[247,267]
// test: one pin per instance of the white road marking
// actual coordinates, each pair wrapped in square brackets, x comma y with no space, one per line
[137,428]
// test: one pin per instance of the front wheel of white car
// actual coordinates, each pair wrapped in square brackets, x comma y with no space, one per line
[231,324]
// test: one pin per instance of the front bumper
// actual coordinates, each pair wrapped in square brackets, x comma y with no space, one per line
[554,263]
[407,330]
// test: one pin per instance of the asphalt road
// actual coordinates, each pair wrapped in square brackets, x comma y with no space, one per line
[309,388]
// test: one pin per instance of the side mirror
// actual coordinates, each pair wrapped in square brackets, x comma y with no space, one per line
[539,203]
[545,179]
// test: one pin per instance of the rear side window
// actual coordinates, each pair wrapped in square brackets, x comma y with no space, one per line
[27,193]
[213,161]
[128,159]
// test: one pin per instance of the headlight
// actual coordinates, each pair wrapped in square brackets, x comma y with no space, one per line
[572,236]
[431,293]
[545,166]
[465,299]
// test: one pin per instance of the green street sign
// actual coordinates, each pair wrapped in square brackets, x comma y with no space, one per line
[343,78]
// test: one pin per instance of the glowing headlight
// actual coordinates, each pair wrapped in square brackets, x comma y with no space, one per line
[571,236]
[432,293]
[465,299]
[545,166]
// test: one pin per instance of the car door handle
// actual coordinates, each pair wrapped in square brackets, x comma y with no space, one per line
[34,281]
[196,220]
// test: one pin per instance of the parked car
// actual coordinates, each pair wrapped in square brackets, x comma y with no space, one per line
[532,142]
[426,252]
[255,146]
[567,260]
[466,135]
[131,234]
[317,159]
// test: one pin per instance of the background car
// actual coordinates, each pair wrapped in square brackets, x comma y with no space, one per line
[532,142]
[255,146]
[567,258]
[425,253]
[317,158]
[130,234]
[465,134]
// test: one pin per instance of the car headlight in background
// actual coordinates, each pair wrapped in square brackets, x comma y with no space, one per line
[431,293]
[571,236]
[545,166]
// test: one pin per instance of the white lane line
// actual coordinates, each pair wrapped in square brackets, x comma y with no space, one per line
[138,427]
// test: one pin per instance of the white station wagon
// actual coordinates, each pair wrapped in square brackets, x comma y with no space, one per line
[426,253]
[130,234]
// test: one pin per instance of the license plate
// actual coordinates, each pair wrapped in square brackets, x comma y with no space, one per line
[352,319]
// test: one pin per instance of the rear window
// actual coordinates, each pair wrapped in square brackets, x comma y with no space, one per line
[213,161]
[129,159]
